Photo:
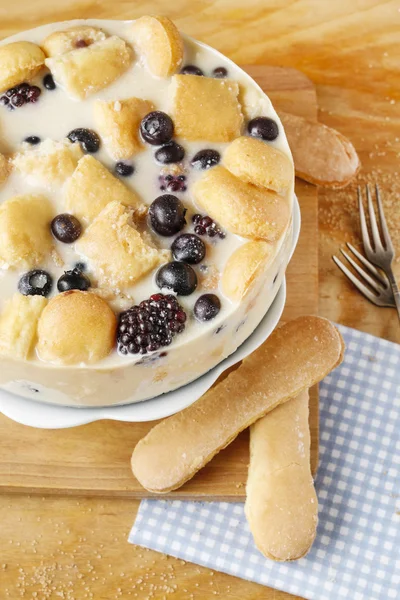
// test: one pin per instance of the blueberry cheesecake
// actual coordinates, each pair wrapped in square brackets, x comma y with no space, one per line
[146,194]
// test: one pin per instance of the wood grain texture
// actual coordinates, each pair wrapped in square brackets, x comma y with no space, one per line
[351,51]
[95,459]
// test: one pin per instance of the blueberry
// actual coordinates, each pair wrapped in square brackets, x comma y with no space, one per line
[88,139]
[207,307]
[35,283]
[264,128]
[157,128]
[220,72]
[170,153]
[188,248]
[4,100]
[124,169]
[73,280]
[66,228]
[191,70]
[177,276]
[33,139]
[167,215]
[48,82]
[204,159]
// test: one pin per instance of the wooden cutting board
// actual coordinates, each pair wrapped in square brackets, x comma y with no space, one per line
[94,459]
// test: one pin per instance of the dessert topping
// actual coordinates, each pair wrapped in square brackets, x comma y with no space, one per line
[88,139]
[188,248]
[35,283]
[191,70]
[264,128]
[157,128]
[73,280]
[204,159]
[150,325]
[167,215]
[170,153]
[207,307]
[124,169]
[66,228]
[177,276]
[205,225]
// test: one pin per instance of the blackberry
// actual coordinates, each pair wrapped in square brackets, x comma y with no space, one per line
[172,183]
[19,95]
[150,325]
[206,226]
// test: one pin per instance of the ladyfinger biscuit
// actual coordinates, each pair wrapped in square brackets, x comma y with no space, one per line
[293,358]
[321,155]
[256,162]
[241,207]
[281,504]
[159,43]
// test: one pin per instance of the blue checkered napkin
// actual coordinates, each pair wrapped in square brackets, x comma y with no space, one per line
[357,551]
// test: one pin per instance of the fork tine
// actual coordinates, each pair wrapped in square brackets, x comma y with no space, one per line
[376,286]
[378,274]
[359,285]
[363,225]
[385,230]
[374,225]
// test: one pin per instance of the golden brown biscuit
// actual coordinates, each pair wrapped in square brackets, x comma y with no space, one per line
[281,504]
[19,61]
[76,327]
[321,155]
[18,325]
[118,122]
[242,208]
[117,252]
[294,357]
[257,162]
[48,164]
[92,187]
[159,42]
[206,109]
[85,71]
[72,38]
[243,267]
[4,168]
[25,238]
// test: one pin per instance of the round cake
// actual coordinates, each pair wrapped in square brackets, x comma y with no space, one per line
[146,199]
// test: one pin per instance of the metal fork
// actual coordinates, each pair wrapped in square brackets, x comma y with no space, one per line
[379,254]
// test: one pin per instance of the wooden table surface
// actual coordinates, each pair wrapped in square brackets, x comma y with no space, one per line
[75,548]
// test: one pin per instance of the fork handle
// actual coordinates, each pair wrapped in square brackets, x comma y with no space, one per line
[395,289]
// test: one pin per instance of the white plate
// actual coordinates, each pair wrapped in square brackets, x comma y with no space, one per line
[47,416]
